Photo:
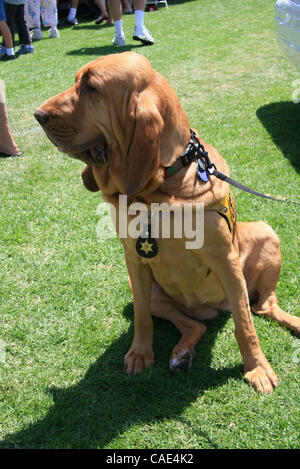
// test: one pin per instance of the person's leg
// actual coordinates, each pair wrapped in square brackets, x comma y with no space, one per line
[139,4]
[5,31]
[71,19]
[7,143]
[127,6]
[115,10]
[32,14]
[116,13]
[103,12]
[49,16]
[23,32]
[140,32]
[139,7]
[7,50]
[102,7]
[10,11]
[33,18]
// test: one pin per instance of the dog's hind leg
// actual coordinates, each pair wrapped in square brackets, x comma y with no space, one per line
[191,330]
[260,254]
[267,304]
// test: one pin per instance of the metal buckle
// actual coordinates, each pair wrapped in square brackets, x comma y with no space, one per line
[188,155]
[200,150]
[184,160]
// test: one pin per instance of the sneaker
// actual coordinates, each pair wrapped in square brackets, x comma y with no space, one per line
[143,35]
[36,35]
[25,50]
[5,57]
[53,33]
[119,40]
[72,22]
[2,51]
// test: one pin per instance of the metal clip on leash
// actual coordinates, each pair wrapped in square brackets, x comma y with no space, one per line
[205,168]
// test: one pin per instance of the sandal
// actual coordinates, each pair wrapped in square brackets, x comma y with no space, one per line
[7,155]
[100,19]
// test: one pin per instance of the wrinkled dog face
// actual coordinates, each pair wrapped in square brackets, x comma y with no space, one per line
[74,120]
[118,115]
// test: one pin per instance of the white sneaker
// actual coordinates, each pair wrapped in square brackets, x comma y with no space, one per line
[72,22]
[143,35]
[119,40]
[36,35]
[53,33]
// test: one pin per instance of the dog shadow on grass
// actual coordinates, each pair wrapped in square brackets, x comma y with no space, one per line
[282,121]
[107,402]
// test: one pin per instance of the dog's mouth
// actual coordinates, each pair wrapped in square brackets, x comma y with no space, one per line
[97,155]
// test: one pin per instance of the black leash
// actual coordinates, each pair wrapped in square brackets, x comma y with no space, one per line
[205,168]
[234,183]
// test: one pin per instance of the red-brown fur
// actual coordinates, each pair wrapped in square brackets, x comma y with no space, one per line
[122,104]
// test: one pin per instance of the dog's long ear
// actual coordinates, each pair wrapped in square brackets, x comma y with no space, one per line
[89,180]
[143,154]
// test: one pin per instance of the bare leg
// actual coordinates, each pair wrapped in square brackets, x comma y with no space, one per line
[5,31]
[102,7]
[139,4]
[7,143]
[115,9]
[127,6]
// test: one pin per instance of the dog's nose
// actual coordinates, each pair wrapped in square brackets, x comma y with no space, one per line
[41,116]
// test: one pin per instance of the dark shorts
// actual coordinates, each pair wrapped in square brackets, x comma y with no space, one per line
[2,11]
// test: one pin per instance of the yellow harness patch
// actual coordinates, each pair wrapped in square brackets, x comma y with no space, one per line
[227,209]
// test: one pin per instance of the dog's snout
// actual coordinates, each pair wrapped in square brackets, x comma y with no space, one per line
[41,116]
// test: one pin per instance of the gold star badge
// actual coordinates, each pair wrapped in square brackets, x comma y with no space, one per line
[146,247]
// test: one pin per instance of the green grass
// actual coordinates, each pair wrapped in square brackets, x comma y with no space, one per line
[66,309]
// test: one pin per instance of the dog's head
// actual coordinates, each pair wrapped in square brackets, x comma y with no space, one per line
[120,117]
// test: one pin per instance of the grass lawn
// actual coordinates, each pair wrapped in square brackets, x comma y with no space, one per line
[66,308]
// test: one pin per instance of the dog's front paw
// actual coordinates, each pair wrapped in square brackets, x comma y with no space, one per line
[263,379]
[136,361]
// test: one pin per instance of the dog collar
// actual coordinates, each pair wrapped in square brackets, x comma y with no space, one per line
[194,152]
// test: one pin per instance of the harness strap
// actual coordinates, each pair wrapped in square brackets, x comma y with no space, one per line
[227,209]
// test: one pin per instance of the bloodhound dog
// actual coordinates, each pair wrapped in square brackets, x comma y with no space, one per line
[125,121]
